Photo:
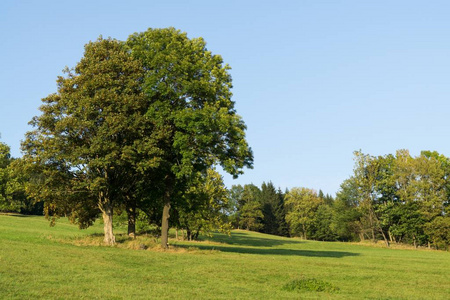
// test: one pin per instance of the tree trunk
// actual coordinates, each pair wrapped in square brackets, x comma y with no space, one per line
[188,234]
[195,237]
[107,213]
[165,217]
[361,236]
[391,239]
[165,226]
[132,221]
[386,241]
[196,234]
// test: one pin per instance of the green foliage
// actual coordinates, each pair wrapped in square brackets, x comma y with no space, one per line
[346,215]
[400,198]
[439,232]
[204,205]
[322,229]
[195,125]
[310,285]
[13,197]
[134,126]
[188,89]
[273,210]
[82,154]
[251,214]
[302,205]
[5,160]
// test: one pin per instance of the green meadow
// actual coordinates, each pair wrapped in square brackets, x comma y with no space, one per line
[63,262]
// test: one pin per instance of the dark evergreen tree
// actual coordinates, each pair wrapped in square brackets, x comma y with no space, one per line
[269,201]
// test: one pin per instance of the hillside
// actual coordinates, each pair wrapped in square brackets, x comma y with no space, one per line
[38,261]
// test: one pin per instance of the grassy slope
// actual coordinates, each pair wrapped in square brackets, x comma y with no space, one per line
[34,263]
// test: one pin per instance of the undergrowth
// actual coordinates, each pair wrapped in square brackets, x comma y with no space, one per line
[310,285]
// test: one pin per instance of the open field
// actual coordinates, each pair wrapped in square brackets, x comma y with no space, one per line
[38,261]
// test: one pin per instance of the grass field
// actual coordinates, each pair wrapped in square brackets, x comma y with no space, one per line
[38,261]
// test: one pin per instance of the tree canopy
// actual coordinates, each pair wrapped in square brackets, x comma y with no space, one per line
[188,90]
[86,140]
[150,116]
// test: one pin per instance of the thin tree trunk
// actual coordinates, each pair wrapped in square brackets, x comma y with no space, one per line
[165,226]
[107,213]
[386,241]
[195,237]
[166,215]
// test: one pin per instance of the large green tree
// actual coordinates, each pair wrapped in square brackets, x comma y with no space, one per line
[188,90]
[84,147]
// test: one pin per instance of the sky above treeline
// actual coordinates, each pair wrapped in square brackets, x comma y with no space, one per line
[313,80]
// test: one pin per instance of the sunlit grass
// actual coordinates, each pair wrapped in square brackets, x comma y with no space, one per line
[62,262]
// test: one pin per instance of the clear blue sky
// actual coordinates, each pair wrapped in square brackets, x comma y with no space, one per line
[313,80]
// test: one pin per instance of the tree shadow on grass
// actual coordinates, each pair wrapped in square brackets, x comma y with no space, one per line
[273,251]
[245,239]
[17,215]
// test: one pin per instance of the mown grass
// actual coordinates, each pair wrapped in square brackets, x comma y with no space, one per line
[62,262]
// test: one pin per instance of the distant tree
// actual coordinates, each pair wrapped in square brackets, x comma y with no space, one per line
[12,186]
[272,209]
[321,228]
[366,174]
[280,213]
[302,205]
[204,206]
[439,232]
[235,203]
[346,215]
[251,215]
[6,203]
[398,198]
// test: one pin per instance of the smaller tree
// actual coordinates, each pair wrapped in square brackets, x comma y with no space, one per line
[204,205]
[321,228]
[6,204]
[251,214]
[234,204]
[439,232]
[302,205]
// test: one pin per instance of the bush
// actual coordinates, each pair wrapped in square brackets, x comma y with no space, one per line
[310,285]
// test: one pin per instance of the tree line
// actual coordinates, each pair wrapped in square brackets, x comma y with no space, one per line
[393,198]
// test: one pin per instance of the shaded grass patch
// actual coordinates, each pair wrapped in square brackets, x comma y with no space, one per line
[310,285]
